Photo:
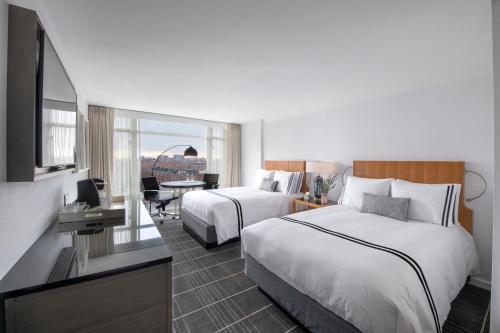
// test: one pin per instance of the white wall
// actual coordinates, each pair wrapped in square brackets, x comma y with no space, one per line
[449,122]
[495,280]
[251,150]
[26,209]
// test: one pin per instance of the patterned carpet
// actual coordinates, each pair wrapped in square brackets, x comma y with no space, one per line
[211,293]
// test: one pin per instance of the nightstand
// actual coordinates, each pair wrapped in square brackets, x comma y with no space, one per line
[310,204]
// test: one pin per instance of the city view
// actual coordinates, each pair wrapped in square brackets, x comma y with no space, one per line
[176,167]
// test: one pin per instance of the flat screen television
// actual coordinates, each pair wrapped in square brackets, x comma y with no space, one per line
[56,109]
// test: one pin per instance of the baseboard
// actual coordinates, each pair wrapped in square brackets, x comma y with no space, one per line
[481,283]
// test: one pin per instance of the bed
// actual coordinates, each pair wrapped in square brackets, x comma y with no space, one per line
[217,216]
[336,269]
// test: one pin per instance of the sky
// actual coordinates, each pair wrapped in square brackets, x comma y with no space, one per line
[189,134]
[154,145]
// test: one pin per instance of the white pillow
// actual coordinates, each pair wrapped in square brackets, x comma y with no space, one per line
[436,203]
[261,174]
[352,194]
[283,178]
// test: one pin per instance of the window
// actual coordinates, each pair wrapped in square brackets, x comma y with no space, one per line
[140,138]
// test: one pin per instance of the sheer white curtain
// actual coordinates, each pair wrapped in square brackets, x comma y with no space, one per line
[217,152]
[126,158]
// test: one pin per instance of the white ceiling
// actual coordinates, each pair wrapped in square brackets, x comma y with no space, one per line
[240,60]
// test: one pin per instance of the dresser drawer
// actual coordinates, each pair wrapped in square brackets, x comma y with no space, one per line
[117,300]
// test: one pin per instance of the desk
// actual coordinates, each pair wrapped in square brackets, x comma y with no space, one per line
[179,187]
[95,292]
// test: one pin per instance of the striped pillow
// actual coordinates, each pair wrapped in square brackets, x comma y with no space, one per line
[295,182]
[435,203]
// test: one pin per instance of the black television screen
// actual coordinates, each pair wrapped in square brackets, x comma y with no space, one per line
[56,109]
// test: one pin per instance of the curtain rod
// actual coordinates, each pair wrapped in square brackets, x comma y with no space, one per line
[162,114]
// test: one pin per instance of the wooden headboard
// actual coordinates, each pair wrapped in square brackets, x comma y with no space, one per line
[430,172]
[288,166]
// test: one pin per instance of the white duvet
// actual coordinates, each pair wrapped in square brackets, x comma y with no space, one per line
[256,205]
[374,290]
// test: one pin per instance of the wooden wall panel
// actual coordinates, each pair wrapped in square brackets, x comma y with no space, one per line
[270,165]
[294,166]
[429,172]
[282,165]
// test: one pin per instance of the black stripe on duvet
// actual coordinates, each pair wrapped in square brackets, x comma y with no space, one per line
[410,261]
[239,211]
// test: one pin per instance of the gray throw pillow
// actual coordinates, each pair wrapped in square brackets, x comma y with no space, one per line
[395,208]
[268,185]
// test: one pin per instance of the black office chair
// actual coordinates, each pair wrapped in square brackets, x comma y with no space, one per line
[99,183]
[211,180]
[88,192]
[153,194]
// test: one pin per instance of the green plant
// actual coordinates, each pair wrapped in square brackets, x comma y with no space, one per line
[328,183]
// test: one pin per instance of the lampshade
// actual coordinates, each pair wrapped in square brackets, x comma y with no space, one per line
[190,152]
[322,168]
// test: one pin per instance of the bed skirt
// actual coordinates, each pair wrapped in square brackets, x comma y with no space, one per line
[203,232]
[307,311]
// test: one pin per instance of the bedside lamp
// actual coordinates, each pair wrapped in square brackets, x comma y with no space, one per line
[322,169]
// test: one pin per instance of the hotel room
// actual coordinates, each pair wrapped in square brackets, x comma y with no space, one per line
[249,166]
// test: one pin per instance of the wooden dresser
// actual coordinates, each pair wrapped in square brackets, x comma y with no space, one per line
[117,280]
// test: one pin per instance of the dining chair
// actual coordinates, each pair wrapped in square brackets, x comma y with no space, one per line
[211,180]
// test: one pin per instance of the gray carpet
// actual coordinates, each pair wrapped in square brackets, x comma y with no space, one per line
[211,293]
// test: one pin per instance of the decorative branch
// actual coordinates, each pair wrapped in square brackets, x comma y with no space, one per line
[328,183]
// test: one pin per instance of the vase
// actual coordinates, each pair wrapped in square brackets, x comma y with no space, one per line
[317,187]
[324,198]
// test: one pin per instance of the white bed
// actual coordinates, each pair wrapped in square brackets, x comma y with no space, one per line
[215,208]
[216,216]
[372,288]
[367,272]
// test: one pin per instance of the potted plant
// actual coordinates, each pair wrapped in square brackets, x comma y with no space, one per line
[327,185]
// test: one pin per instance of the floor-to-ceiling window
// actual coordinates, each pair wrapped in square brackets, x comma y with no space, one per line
[139,138]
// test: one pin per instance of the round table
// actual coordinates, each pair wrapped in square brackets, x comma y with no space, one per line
[179,187]
[182,184]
